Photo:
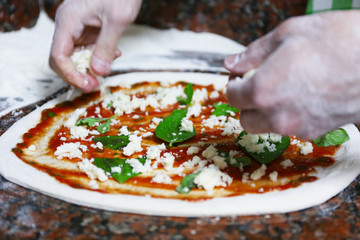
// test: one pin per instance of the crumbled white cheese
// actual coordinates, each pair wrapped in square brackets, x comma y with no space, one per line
[258,173]
[306,148]
[286,163]
[214,94]
[194,110]
[161,177]
[167,160]
[99,145]
[81,59]
[133,146]
[192,150]
[209,152]
[252,144]
[70,150]
[116,169]
[199,96]
[153,152]
[193,162]
[73,118]
[138,167]
[232,127]
[79,132]
[93,184]
[213,121]
[147,134]
[156,120]
[186,125]
[91,170]
[273,176]
[211,177]
[32,147]
[219,162]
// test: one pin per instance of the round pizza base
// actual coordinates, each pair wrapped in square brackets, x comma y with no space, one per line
[330,181]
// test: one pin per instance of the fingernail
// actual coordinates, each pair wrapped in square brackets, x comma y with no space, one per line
[232,60]
[100,67]
[229,61]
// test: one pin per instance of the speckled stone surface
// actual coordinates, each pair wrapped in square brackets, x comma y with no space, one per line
[26,214]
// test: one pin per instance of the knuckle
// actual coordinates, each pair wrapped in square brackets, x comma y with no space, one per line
[286,28]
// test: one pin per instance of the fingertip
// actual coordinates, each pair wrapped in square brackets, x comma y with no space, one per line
[100,67]
[85,82]
[117,53]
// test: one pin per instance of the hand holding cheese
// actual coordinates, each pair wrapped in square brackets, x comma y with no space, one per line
[307,80]
[87,23]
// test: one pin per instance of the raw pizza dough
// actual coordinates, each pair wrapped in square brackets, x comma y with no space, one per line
[331,180]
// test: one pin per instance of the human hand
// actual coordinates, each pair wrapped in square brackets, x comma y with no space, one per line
[308,76]
[95,24]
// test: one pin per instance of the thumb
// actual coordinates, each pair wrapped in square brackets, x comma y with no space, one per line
[106,48]
[254,56]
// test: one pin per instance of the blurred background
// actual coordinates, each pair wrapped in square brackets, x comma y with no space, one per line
[240,20]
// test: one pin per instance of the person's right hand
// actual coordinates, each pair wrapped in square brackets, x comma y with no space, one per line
[96,23]
[307,80]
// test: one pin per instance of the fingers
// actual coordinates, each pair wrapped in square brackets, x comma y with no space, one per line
[253,56]
[113,25]
[272,120]
[66,31]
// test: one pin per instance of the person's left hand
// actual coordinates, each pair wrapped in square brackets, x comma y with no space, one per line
[96,24]
[308,76]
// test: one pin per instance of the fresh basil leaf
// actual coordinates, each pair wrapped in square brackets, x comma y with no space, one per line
[105,127]
[126,170]
[223,109]
[235,161]
[169,129]
[267,156]
[51,114]
[113,142]
[189,92]
[333,138]
[89,121]
[187,183]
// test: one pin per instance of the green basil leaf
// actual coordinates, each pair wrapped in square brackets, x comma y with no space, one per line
[187,183]
[89,121]
[189,92]
[113,142]
[223,109]
[169,129]
[235,161]
[333,138]
[267,156]
[51,114]
[126,170]
[105,127]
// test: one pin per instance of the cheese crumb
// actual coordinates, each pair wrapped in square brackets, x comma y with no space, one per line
[133,146]
[287,163]
[93,184]
[192,150]
[162,178]
[70,150]
[32,147]
[92,171]
[273,176]
[211,177]
[186,125]
[258,173]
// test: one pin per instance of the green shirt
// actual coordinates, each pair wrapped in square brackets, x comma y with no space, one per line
[315,6]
